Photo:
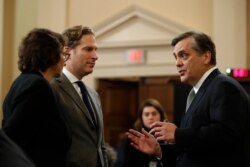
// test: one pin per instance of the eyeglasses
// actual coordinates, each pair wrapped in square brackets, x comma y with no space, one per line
[65,56]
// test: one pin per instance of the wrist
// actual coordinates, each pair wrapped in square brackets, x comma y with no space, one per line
[158,158]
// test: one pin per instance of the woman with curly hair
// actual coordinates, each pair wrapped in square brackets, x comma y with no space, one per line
[30,114]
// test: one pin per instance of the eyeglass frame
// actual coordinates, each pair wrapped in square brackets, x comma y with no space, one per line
[65,56]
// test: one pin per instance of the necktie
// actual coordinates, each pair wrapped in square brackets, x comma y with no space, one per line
[190,98]
[86,98]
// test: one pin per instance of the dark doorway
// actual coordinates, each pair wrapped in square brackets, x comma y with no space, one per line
[121,98]
[119,103]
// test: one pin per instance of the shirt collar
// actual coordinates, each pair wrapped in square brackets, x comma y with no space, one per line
[204,76]
[69,75]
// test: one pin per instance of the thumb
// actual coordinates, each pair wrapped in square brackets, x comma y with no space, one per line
[146,133]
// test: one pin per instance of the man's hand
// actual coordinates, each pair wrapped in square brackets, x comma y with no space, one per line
[163,131]
[144,142]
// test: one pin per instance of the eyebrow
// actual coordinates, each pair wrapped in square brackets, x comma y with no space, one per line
[180,52]
[93,47]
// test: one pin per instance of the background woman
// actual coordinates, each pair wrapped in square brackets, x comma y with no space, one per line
[150,111]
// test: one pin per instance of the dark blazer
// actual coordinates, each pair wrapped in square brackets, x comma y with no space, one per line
[11,155]
[215,129]
[33,121]
[87,148]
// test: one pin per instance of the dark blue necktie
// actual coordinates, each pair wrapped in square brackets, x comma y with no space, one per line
[86,99]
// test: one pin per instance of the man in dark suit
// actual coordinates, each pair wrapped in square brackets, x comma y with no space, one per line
[81,105]
[215,128]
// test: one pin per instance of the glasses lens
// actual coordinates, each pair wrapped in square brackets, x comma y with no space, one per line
[65,56]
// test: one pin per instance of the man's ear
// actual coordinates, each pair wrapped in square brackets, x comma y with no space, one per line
[207,57]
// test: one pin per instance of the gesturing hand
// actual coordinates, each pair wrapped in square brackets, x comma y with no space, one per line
[144,142]
[163,131]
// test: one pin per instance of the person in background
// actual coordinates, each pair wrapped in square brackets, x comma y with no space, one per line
[150,111]
[11,155]
[215,128]
[111,154]
[81,105]
[30,114]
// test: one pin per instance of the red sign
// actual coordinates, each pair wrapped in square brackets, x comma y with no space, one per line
[238,72]
[135,56]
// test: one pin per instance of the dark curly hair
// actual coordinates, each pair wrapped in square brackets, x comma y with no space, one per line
[39,49]
[73,35]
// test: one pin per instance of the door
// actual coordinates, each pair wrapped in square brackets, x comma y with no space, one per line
[162,89]
[121,99]
[119,103]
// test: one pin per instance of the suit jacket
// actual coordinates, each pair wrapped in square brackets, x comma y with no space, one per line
[87,147]
[33,121]
[215,129]
[11,155]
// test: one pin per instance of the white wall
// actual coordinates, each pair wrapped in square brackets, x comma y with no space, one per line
[229,33]
[25,15]
[224,20]
[37,13]
[52,14]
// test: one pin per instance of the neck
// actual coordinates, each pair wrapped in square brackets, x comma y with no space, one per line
[48,75]
[71,70]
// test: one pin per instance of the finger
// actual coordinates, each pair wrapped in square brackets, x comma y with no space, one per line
[161,138]
[159,134]
[133,138]
[145,132]
[156,124]
[128,134]
[154,130]
[131,135]
[135,133]
[134,145]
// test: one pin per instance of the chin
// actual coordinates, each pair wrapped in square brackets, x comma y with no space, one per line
[183,79]
[57,75]
[89,71]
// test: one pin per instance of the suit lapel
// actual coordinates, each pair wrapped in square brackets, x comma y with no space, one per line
[94,102]
[195,103]
[67,86]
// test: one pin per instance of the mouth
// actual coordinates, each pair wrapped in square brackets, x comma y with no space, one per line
[91,64]
[151,122]
[181,72]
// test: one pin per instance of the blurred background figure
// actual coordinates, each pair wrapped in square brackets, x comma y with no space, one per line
[150,111]
[111,155]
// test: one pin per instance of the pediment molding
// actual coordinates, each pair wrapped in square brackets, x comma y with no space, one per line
[136,26]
